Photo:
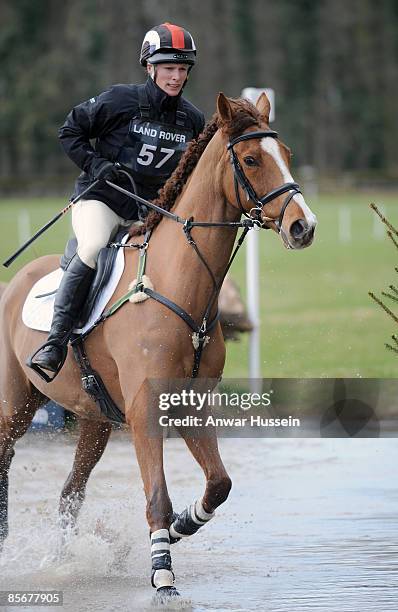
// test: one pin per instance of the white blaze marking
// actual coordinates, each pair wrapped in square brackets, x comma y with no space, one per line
[270,146]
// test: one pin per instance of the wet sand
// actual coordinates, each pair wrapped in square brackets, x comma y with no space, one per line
[311,524]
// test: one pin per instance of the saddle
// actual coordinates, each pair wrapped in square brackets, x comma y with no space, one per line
[105,262]
[91,380]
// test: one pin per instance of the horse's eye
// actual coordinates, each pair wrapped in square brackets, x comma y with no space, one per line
[250,161]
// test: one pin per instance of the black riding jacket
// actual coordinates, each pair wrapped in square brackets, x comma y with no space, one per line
[107,119]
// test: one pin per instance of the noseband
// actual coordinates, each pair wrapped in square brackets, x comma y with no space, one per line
[241,179]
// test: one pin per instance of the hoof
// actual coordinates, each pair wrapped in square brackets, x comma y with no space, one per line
[164,595]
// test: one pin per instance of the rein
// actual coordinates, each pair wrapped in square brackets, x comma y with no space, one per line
[200,337]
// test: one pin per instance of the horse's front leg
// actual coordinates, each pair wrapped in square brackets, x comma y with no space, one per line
[218,484]
[149,451]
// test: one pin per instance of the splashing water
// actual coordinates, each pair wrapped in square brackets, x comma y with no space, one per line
[310,525]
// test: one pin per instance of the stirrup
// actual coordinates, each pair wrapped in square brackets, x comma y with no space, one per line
[40,371]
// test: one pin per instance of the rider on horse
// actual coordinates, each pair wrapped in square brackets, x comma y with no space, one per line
[144,129]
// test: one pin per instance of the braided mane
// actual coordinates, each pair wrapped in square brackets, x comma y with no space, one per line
[245,115]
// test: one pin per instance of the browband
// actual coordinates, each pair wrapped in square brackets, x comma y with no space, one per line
[250,135]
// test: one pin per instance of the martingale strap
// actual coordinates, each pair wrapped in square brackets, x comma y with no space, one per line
[199,336]
[200,331]
[178,310]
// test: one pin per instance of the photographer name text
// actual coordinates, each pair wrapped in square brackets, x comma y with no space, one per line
[211,421]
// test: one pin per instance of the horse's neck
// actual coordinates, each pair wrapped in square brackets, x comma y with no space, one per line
[202,199]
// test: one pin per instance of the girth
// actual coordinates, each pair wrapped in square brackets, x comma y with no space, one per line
[93,385]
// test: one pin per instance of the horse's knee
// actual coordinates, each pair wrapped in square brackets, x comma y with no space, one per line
[159,510]
[219,489]
[13,427]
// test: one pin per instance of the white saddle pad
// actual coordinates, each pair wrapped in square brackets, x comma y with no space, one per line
[37,312]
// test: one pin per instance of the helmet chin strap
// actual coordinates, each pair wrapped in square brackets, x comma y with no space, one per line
[185,82]
[152,72]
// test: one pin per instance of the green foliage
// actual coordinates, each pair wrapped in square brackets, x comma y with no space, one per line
[42,80]
[317,318]
[332,63]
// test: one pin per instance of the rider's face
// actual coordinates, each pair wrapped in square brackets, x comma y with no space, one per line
[170,77]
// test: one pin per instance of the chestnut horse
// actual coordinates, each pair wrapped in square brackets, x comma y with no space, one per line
[147,341]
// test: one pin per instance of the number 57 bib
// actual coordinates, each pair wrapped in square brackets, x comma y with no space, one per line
[152,150]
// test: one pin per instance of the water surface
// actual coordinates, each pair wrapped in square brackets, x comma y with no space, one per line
[311,524]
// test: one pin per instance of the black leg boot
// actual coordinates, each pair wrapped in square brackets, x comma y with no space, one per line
[69,300]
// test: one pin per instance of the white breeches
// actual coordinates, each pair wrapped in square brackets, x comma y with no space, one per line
[94,224]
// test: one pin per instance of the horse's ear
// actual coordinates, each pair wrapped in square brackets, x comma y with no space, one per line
[263,106]
[224,107]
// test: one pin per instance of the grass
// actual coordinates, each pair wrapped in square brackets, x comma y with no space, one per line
[317,318]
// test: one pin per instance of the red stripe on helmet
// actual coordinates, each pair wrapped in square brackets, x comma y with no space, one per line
[177,36]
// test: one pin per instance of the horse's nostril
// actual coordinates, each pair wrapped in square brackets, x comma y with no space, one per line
[299,228]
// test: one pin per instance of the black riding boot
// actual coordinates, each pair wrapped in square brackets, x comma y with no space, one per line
[71,294]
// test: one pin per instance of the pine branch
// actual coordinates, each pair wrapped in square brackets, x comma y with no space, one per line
[389,234]
[391,348]
[392,297]
[383,306]
[384,220]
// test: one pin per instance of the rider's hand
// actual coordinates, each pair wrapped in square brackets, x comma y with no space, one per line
[104,169]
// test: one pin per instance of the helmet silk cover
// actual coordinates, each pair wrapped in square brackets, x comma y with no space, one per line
[168,43]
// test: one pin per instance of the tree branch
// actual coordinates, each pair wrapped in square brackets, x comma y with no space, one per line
[383,306]
[384,220]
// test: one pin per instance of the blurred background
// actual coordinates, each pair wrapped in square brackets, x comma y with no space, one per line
[333,67]
[332,64]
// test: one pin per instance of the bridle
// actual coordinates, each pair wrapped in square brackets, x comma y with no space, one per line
[241,179]
[253,219]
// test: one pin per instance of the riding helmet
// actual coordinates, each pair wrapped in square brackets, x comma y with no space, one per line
[168,44]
